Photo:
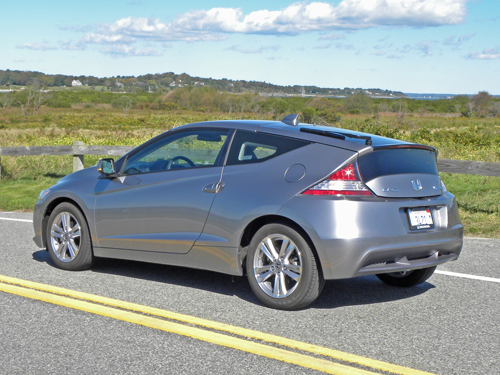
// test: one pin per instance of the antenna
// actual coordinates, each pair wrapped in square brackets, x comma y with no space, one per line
[292,120]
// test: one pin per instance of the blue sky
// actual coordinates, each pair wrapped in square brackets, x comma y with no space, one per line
[425,46]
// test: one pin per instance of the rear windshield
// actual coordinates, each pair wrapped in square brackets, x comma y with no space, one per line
[397,161]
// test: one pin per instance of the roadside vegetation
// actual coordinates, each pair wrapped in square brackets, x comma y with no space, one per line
[461,128]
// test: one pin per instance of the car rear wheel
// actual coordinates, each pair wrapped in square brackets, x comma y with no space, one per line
[68,239]
[281,268]
[407,278]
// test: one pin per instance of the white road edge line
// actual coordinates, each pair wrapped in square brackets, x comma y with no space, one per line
[466,276]
[26,221]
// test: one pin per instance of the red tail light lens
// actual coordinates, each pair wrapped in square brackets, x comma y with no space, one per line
[345,181]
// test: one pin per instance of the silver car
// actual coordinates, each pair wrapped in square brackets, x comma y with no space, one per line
[289,204]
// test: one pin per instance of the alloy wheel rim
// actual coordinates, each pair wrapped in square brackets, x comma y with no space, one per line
[277,266]
[65,237]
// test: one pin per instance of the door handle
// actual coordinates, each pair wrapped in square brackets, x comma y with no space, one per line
[220,186]
[214,188]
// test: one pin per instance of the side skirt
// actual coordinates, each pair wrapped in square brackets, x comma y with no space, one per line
[218,259]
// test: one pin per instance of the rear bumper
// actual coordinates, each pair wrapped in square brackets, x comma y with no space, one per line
[364,236]
[405,265]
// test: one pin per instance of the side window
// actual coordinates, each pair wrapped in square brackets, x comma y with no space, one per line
[190,149]
[250,147]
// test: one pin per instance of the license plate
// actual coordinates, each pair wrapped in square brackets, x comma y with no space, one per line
[420,218]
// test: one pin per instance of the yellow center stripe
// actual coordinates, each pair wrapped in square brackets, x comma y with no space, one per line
[107,307]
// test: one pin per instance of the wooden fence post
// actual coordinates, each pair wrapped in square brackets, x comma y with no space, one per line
[77,158]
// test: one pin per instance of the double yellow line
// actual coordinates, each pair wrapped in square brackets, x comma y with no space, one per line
[232,337]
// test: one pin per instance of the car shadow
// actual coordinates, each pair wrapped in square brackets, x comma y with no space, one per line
[192,278]
[365,290]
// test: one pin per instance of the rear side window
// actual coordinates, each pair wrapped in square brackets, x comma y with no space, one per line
[397,161]
[250,147]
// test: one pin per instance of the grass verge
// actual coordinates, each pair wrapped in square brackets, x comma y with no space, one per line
[21,195]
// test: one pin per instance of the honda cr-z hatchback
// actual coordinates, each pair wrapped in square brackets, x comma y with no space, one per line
[290,204]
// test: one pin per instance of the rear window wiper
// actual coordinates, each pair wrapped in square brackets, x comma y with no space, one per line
[338,135]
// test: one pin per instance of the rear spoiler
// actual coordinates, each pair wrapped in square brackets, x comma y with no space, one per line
[409,145]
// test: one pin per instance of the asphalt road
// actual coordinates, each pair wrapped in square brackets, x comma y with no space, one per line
[449,325]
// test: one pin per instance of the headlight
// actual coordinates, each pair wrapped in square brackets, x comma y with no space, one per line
[43,194]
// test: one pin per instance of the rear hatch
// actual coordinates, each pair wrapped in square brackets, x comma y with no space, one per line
[402,171]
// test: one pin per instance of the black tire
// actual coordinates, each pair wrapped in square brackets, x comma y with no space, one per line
[408,278]
[68,238]
[287,277]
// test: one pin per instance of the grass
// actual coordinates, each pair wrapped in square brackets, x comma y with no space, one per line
[478,200]
[21,195]
[25,176]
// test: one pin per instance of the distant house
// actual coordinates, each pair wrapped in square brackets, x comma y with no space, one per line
[119,84]
[76,83]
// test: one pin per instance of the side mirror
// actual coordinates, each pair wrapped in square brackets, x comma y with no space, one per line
[106,166]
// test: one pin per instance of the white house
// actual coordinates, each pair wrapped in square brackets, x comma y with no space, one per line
[76,83]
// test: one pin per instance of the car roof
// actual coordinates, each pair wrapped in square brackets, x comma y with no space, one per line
[306,132]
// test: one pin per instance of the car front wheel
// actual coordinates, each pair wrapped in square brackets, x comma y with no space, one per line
[281,268]
[407,278]
[68,239]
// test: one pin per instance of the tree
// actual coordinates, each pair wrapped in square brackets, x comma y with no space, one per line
[480,102]
[6,99]
[360,102]
[108,83]
[308,114]
[327,110]
[32,98]
[495,109]
[68,81]
[124,103]
[400,107]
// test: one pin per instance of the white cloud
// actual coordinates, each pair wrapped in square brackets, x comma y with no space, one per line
[332,36]
[425,47]
[257,50]
[487,54]
[133,29]
[457,41]
[126,50]
[347,47]
[105,39]
[36,46]
[323,46]
[212,24]
[69,45]
[417,13]
[405,49]
[78,29]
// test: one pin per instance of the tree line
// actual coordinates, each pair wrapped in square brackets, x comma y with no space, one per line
[208,99]
[167,81]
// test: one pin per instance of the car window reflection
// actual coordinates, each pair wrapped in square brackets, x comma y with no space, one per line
[191,149]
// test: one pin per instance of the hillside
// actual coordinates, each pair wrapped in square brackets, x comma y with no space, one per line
[153,82]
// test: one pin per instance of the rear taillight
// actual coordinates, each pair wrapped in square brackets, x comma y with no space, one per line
[345,181]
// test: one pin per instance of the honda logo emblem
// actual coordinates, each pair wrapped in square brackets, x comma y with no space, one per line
[417,185]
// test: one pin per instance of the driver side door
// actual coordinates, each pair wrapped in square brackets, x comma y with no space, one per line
[162,197]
